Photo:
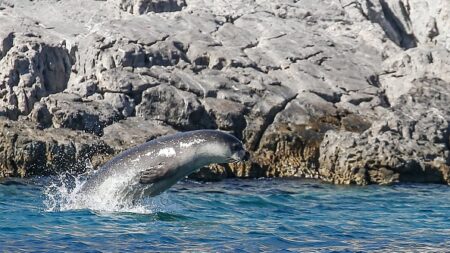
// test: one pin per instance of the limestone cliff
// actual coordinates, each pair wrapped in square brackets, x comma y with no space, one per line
[350,92]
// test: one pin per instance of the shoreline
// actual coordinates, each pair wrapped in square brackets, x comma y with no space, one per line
[348,94]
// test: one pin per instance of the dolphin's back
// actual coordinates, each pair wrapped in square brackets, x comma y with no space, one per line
[159,162]
[148,154]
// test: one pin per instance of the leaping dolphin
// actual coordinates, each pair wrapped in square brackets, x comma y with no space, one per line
[153,167]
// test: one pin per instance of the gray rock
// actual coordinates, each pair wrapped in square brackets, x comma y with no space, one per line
[145,6]
[82,86]
[227,115]
[121,81]
[121,102]
[30,69]
[28,151]
[407,144]
[346,91]
[6,43]
[71,111]
[403,69]
[133,131]
[174,107]
[406,22]
[41,115]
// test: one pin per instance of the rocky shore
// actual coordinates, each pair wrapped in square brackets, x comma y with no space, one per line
[349,92]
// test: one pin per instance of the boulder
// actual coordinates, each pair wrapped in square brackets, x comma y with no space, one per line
[410,143]
[72,112]
[133,131]
[27,151]
[174,107]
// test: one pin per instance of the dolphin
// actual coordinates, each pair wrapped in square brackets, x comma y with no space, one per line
[153,167]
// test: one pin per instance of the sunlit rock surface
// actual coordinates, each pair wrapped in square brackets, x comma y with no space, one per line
[350,92]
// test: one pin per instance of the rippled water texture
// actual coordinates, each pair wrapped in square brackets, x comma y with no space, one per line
[237,215]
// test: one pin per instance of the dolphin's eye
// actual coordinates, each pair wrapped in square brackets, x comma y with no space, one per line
[236,147]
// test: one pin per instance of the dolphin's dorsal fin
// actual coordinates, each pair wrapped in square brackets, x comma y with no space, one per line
[155,174]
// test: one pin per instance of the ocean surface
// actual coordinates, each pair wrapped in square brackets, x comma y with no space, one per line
[232,216]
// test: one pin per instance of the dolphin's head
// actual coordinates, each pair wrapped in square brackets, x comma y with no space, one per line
[221,147]
[236,152]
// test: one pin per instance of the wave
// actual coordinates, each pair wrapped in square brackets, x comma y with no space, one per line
[64,192]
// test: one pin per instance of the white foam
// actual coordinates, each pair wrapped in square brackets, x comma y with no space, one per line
[111,195]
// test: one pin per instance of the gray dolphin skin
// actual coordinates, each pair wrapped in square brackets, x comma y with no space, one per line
[155,166]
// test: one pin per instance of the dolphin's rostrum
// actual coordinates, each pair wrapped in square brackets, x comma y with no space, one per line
[153,167]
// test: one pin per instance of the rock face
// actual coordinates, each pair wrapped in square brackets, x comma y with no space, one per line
[30,69]
[27,150]
[140,7]
[350,92]
[410,142]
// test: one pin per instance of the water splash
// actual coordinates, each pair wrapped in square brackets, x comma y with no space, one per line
[64,193]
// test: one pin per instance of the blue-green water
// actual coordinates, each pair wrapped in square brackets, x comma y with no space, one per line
[236,216]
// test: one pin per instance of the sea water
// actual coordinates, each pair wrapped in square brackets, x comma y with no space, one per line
[232,216]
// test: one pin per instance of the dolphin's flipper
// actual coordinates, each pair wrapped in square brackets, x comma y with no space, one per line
[155,174]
